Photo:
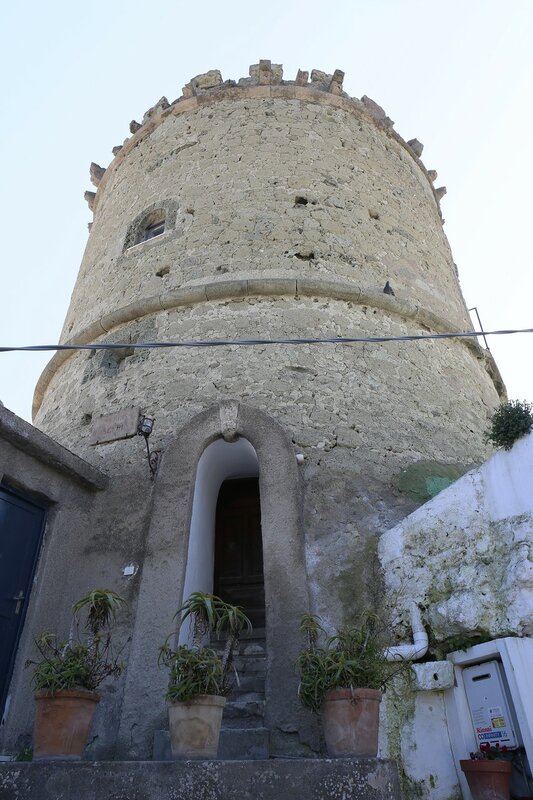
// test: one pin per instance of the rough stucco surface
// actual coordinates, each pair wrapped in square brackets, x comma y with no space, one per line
[343,779]
[467,555]
[87,541]
[466,558]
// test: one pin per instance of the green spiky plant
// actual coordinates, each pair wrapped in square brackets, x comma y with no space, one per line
[83,661]
[199,670]
[510,422]
[352,658]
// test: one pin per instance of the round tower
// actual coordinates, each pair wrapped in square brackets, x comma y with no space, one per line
[278,209]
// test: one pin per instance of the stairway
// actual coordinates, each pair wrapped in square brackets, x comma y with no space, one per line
[243,735]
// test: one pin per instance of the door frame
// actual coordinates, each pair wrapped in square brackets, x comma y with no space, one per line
[291,728]
[25,498]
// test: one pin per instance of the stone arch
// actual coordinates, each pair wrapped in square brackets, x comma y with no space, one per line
[163,575]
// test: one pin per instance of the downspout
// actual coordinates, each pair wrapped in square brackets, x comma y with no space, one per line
[414,651]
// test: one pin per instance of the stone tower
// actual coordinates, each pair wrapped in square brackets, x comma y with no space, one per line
[268,209]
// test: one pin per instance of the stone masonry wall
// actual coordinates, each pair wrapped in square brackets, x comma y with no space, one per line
[289,206]
[360,413]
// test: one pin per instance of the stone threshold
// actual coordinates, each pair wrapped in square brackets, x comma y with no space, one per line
[273,779]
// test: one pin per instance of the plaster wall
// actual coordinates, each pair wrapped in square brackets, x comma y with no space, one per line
[466,558]
[87,542]
[467,555]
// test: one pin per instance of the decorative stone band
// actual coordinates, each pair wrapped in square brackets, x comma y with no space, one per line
[293,287]
[365,108]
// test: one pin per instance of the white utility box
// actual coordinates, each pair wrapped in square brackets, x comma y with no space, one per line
[489,708]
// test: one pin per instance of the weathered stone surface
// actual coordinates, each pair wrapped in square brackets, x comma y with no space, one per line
[302,78]
[311,779]
[440,192]
[117,149]
[266,73]
[416,146]
[134,126]
[89,198]
[40,447]
[97,173]
[432,174]
[433,676]
[321,78]
[161,105]
[207,80]
[466,555]
[335,86]
[375,109]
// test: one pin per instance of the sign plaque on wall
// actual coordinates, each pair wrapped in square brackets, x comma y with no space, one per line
[120,425]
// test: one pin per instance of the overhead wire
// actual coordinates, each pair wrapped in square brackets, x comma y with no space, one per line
[262,342]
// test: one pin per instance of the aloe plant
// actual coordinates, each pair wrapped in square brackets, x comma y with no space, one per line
[352,658]
[198,670]
[78,662]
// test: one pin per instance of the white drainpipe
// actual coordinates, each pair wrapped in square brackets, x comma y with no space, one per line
[414,651]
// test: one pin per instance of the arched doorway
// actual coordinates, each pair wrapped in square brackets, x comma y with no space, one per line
[233,463]
[238,574]
[177,538]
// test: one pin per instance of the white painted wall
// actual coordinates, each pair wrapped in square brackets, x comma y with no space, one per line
[466,556]
[220,461]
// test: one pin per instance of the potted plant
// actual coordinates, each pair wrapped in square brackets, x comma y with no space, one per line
[199,677]
[343,680]
[68,673]
[488,772]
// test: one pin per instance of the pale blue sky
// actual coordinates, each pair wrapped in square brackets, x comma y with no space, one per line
[456,75]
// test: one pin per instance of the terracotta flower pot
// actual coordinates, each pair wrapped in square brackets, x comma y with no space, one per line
[488,780]
[350,718]
[195,726]
[62,723]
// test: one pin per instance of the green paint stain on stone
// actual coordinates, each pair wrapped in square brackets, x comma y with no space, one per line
[425,479]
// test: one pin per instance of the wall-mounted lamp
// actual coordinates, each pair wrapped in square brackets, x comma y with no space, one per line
[145,428]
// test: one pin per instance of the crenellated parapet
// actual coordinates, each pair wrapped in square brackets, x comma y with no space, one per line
[265,80]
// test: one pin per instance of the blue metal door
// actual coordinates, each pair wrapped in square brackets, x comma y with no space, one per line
[21,530]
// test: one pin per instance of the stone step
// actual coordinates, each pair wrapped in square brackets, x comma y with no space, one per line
[250,664]
[235,744]
[273,779]
[252,682]
[249,706]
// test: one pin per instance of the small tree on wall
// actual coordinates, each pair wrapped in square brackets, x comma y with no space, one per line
[509,422]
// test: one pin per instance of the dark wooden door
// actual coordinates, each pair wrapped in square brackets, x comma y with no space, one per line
[21,529]
[238,575]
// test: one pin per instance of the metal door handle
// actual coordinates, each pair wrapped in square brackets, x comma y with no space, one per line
[19,598]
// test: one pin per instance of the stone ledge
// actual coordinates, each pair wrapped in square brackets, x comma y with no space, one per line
[289,286]
[37,444]
[275,779]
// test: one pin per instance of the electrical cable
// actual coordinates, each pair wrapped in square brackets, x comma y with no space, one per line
[259,342]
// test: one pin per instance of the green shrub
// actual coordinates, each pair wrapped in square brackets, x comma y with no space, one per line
[193,673]
[81,661]
[509,422]
[196,670]
[352,658]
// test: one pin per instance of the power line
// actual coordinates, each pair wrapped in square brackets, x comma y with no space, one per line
[256,342]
